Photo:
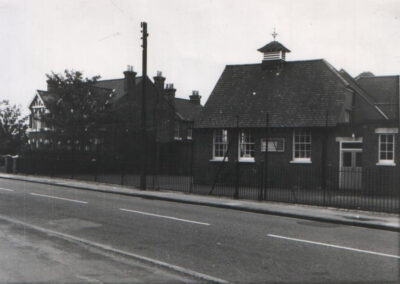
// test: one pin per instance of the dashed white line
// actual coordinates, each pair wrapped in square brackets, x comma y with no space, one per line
[61,198]
[334,246]
[6,189]
[166,217]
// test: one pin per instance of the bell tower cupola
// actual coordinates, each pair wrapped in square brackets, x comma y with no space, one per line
[274,51]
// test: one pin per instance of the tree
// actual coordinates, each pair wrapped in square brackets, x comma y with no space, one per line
[78,107]
[13,127]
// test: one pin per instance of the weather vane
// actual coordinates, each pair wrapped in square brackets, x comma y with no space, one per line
[274,34]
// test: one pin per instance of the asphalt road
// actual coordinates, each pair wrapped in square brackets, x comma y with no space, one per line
[31,256]
[231,245]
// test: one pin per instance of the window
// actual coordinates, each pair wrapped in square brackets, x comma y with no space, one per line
[302,145]
[246,146]
[189,134]
[220,144]
[274,144]
[386,149]
[177,135]
[347,116]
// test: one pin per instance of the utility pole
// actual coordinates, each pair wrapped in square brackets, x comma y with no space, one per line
[143,118]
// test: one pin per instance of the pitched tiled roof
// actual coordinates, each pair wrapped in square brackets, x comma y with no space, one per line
[273,46]
[117,85]
[187,109]
[49,99]
[299,96]
[384,90]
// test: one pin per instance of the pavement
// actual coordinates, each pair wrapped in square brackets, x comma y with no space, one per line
[374,220]
[32,256]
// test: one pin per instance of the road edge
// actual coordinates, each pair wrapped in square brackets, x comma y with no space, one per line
[109,249]
[218,205]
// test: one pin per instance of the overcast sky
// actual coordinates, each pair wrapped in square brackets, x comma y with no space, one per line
[190,41]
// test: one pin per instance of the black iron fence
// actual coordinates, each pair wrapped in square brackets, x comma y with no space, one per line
[374,189]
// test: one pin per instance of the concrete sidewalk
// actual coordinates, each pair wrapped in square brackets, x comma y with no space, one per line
[374,220]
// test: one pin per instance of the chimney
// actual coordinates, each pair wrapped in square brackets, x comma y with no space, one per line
[159,81]
[195,98]
[169,92]
[129,81]
[51,85]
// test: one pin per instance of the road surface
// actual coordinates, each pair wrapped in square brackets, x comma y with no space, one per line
[226,244]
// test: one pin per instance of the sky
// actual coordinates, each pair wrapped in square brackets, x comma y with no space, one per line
[190,41]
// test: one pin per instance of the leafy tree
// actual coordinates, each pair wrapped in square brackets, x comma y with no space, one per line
[13,127]
[78,107]
[76,100]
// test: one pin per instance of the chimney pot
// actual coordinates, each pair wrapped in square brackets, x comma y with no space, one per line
[129,81]
[195,98]
[159,81]
[51,85]
[169,92]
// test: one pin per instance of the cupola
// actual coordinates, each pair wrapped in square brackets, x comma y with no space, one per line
[274,51]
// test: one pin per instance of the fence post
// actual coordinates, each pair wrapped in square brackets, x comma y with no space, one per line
[122,172]
[265,172]
[236,194]
[191,166]
[324,159]
[95,165]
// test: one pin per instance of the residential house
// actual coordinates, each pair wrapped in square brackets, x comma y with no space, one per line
[169,120]
[314,125]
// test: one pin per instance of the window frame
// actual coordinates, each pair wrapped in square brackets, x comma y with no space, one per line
[300,132]
[222,143]
[386,162]
[251,144]
[177,131]
[189,135]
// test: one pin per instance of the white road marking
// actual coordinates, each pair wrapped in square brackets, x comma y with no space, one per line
[334,246]
[55,197]
[6,189]
[111,249]
[166,217]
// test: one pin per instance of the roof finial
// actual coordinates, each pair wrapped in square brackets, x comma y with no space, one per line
[274,34]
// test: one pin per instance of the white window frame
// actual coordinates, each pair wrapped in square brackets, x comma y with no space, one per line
[300,132]
[189,134]
[272,145]
[247,157]
[386,162]
[221,145]
[177,131]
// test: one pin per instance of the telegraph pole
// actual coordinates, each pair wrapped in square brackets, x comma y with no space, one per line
[143,118]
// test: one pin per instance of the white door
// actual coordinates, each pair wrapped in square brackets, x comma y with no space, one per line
[350,172]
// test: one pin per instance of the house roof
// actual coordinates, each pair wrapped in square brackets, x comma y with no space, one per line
[117,85]
[385,92]
[273,46]
[187,109]
[50,99]
[113,91]
[300,95]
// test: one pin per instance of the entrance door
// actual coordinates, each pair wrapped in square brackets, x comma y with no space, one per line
[350,166]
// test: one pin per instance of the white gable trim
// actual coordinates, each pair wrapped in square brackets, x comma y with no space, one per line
[40,99]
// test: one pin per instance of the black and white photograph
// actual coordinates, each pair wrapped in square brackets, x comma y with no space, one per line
[200,141]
